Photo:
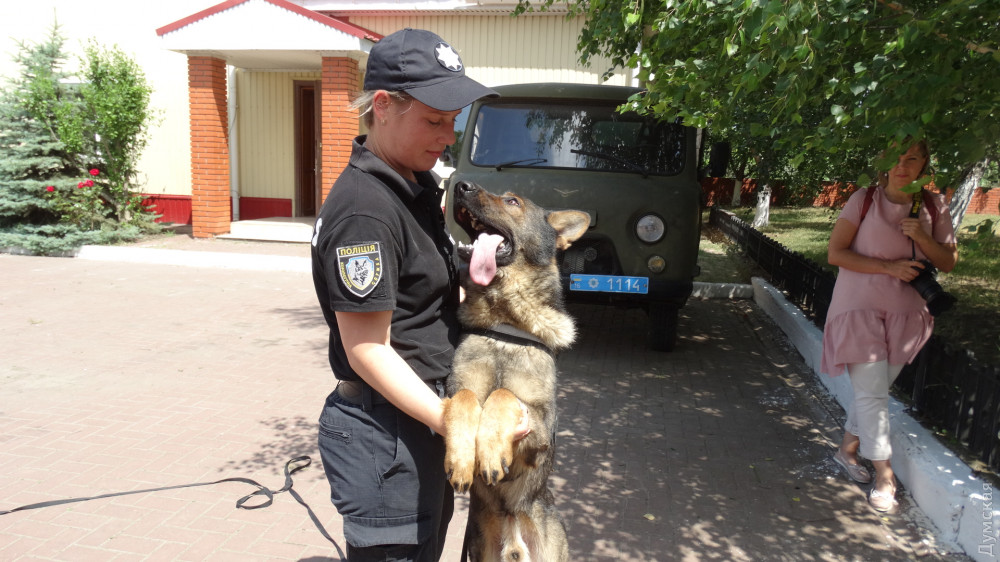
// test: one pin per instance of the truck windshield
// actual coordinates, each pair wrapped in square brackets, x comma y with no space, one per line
[573,135]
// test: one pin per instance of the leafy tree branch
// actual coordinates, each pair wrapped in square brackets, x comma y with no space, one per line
[819,82]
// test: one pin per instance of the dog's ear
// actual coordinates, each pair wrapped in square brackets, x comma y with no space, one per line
[569,225]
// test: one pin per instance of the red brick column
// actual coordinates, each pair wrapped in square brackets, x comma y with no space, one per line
[341,82]
[211,207]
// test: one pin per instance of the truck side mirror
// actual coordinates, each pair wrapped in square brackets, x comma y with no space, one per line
[447,157]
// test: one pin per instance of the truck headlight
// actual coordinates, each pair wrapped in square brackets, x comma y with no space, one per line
[650,229]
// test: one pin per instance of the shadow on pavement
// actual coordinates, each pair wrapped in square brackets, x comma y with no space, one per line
[713,451]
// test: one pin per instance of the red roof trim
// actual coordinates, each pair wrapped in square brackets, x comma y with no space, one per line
[200,15]
[337,24]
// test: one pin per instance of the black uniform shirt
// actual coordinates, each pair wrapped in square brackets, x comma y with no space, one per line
[380,244]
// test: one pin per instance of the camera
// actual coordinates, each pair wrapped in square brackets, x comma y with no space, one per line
[938,300]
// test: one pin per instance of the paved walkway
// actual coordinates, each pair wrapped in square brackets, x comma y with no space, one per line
[128,376]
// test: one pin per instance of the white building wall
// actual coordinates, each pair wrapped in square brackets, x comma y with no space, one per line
[498,50]
[166,163]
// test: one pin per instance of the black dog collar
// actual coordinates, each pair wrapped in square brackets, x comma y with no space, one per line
[510,334]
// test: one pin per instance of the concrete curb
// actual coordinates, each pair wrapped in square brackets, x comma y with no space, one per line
[224,260]
[958,502]
[722,291]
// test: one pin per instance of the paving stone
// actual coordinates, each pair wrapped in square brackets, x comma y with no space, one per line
[121,377]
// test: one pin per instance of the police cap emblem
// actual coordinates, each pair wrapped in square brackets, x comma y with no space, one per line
[448,57]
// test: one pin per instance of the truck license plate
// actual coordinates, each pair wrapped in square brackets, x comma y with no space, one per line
[609,284]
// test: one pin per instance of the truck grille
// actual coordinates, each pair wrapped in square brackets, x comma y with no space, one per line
[590,255]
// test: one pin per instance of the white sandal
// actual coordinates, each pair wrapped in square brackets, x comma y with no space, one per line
[882,501]
[856,472]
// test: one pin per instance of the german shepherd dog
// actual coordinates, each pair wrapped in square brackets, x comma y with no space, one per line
[514,322]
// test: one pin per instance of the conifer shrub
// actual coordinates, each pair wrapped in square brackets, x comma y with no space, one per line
[69,147]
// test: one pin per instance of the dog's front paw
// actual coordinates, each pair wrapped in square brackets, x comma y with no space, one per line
[461,419]
[495,440]
[494,462]
[460,469]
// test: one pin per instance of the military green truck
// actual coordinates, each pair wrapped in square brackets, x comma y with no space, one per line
[566,146]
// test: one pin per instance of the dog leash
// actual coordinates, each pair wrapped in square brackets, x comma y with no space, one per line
[465,543]
[241,503]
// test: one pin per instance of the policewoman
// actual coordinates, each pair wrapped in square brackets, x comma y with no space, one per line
[387,281]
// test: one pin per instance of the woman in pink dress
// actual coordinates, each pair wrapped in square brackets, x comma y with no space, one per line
[877,322]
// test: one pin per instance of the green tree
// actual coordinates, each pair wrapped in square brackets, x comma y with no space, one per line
[31,155]
[116,100]
[818,81]
[68,150]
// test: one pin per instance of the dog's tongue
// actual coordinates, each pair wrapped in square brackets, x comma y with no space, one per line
[483,265]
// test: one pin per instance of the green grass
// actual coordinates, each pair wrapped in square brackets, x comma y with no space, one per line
[720,261]
[805,230]
[974,323]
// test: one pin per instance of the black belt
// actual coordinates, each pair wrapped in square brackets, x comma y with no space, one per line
[362,394]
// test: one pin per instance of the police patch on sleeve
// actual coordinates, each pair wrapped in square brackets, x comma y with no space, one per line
[360,267]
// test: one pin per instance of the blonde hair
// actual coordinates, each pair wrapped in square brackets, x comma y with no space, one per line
[925,151]
[365,102]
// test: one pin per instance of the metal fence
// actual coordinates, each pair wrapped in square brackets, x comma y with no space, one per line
[802,280]
[946,388]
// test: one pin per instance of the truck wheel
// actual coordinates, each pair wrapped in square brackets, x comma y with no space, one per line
[662,327]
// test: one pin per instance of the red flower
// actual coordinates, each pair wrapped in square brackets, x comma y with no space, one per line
[80,185]
[94,172]
[89,183]
[50,188]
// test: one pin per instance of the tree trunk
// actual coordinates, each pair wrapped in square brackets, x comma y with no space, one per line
[761,217]
[739,169]
[966,189]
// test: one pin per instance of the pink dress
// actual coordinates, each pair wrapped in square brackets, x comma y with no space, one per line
[876,317]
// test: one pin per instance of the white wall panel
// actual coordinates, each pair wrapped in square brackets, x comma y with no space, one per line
[499,49]
[265,132]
